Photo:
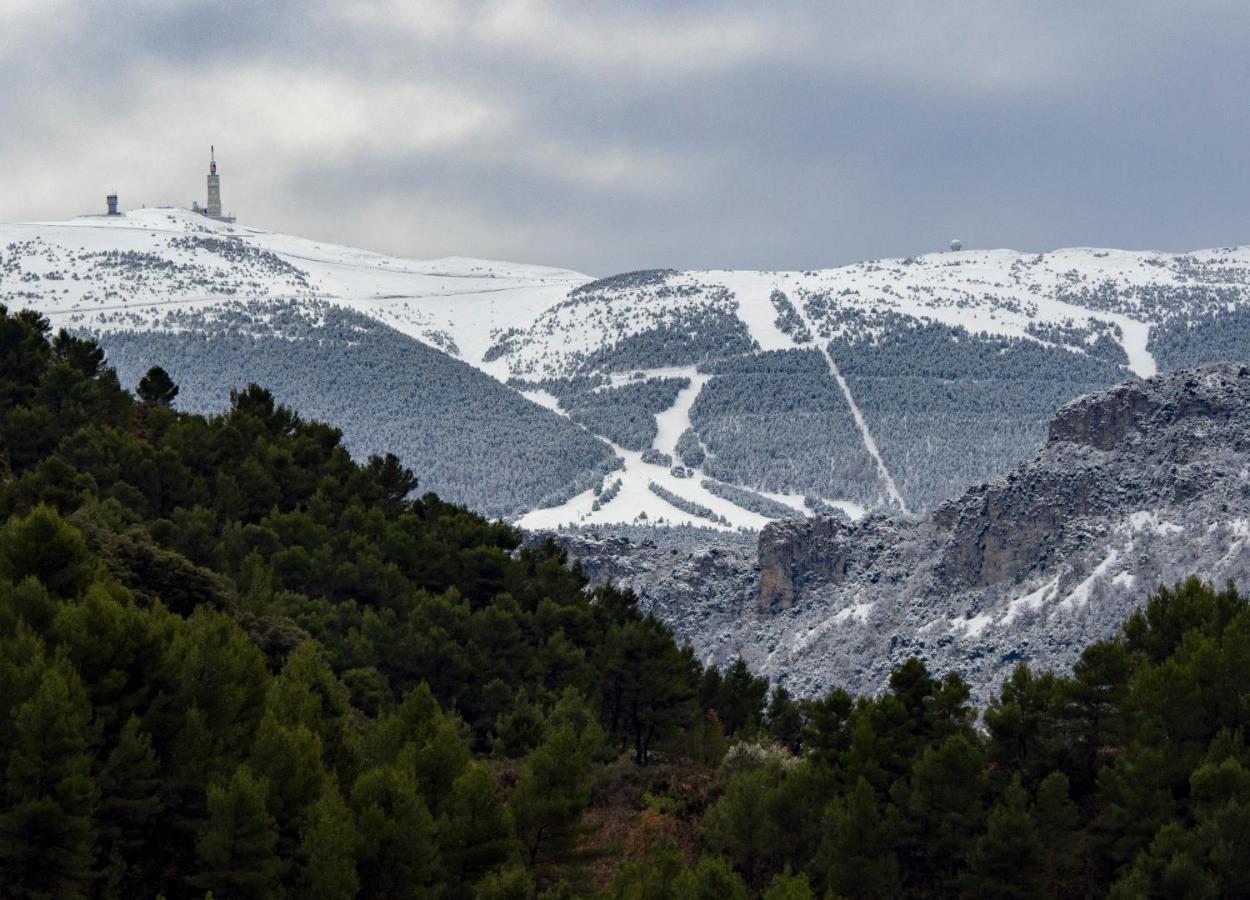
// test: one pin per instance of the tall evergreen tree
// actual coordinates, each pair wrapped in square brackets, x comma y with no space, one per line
[551,794]
[1007,861]
[84,356]
[156,388]
[237,846]
[46,826]
[476,832]
[1058,824]
[944,810]
[785,720]
[738,825]
[131,801]
[741,700]
[397,857]
[328,851]
[288,760]
[857,856]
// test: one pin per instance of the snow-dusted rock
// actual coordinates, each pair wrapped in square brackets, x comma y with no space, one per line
[1140,485]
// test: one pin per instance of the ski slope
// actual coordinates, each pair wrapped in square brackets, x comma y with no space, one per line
[146,269]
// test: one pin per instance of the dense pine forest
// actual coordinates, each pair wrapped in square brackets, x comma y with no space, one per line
[234,662]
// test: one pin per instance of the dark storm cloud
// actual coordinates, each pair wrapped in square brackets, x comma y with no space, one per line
[606,136]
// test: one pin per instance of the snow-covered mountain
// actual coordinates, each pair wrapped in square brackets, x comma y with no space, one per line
[368,342]
[727,399]
[1140,485]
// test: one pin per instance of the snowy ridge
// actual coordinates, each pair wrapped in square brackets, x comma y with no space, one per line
[135,268]
[928,382]
[998,292]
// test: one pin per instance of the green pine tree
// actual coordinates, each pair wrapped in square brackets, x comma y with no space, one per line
[156,388]
[476,832]
[712,878]
[397,855]
[551,794]
[42,545]
[46,829]
[943,810]
[288,760]
[328,851]
[785,720]
[1007,862]
[789,885]
[237,846]
[658,875]
[436,763]
[738,824]
[131,802]
[857,855]
[1058,825]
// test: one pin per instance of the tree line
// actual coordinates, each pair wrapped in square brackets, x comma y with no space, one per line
[235,662]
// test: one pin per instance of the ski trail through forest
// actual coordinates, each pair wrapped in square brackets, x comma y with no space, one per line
[870,443]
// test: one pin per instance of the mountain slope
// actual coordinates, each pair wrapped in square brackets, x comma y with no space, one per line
[938,372]
[1140,485]
[454,425]
[355,338]
[135,270]
[722,398]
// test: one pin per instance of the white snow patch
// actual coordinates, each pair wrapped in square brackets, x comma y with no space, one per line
[543,398]
[1125,580]
[1032,601]
[1079,595]
[857,613]
[635,503]
[973,626]
[1148,520]
[1134,336]
[753,291]
[1237,527]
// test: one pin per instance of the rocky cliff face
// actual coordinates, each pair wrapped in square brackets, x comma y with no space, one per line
[1139,485]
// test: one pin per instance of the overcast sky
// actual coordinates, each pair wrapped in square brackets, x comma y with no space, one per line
[621,135]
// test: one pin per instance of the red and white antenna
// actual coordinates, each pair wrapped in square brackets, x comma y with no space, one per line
[212,162]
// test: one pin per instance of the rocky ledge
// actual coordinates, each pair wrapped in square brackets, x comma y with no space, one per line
[1142,484]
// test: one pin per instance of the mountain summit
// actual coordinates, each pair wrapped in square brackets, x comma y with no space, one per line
[725,399]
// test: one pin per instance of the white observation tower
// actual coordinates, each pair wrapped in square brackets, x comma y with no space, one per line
[213,210]
[214,186]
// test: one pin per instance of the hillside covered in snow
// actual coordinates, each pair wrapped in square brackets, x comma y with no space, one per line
[724,399]
[1137,486]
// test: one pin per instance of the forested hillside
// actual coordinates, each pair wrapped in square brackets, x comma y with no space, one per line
[234,661]
[388,392]
[884,384]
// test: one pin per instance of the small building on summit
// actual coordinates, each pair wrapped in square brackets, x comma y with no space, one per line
[213,209]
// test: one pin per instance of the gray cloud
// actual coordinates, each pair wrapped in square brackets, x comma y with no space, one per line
[606,136]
